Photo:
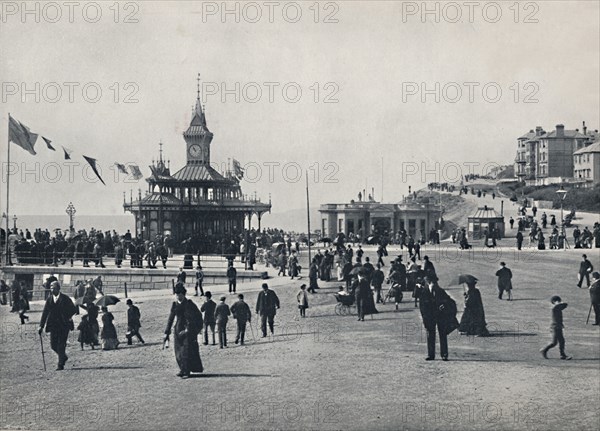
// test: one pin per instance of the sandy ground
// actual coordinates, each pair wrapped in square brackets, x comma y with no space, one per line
[329,372]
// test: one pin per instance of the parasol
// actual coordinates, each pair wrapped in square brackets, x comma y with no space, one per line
[107,300]
[462,279]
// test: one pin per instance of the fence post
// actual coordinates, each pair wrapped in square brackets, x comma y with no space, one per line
[125,288]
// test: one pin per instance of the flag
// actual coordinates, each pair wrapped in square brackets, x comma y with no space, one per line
[67,153]
[92,163]
[48,142]
[135,172]
[121,168]
[21,136]
[154,171]
[238,172]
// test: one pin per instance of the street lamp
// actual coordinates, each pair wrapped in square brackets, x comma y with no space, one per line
[15,222]
[562,193]
[71,212]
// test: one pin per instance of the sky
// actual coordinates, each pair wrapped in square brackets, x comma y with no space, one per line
[353,92]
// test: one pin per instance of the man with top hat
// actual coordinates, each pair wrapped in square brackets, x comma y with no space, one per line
[57,318]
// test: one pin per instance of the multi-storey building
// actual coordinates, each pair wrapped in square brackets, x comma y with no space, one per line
[547,157]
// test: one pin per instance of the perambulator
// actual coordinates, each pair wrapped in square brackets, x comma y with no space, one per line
[394,294]
[344,305]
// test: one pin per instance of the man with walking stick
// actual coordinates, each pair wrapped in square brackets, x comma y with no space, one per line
[595,298]
[57,318]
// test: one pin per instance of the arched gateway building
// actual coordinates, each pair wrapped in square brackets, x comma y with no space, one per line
[195,201]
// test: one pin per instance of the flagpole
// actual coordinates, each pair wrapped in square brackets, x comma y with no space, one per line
[308,220]
[7,259]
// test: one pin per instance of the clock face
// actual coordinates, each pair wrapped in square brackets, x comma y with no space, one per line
[195,150]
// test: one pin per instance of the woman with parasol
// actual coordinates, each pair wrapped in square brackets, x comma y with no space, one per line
[88,327]
[188,324]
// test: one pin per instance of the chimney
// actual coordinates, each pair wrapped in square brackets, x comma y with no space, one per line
[538,131]
[584,128]
[560,130]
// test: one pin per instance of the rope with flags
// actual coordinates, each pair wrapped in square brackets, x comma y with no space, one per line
[23,137]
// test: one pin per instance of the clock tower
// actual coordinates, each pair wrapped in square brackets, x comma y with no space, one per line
[197,136]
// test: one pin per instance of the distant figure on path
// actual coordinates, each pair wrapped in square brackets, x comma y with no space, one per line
[208,308]
[302,299]
[222,313]
[232,278]
[267,304]
[504,281]
[242,314]
[133,323]
[585,269]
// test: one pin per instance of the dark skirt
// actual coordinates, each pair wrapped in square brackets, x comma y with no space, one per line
[187,354]
[473,322]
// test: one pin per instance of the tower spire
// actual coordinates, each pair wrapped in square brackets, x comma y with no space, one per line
[198,86]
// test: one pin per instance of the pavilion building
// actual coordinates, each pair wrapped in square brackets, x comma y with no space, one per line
[196,200]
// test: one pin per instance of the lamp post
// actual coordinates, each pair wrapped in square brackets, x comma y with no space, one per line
[562,193]
[71,212]
[15,222]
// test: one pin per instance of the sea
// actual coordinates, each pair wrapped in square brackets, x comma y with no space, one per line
[119,222]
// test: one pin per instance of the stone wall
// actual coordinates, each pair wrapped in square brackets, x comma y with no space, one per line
[115,279]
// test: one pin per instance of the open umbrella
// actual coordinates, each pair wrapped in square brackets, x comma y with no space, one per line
[107,300]
[462,279]
[357,270]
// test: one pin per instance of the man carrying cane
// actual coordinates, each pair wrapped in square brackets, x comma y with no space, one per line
[595,298]
[57,318]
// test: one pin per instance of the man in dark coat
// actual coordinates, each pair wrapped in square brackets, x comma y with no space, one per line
[267,304]
[222,313]
[361,294]
[242,314]
[557,329]
[595,295]
[504,281]
[232,278]
[377,279]
[208,308]
[585,269]
[519,239]
[133,323]
[438,310]
[429,268]
[57,318]
[187,327]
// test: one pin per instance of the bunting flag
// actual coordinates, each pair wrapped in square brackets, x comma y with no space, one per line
[92,163]
[20,135]
[121,168]
[67,153]
[48,143]
[238,172]
[135,172]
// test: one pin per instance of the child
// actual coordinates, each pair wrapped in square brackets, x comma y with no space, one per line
[557,329]
[199,279]
[133,323]
[302,298]
[222,314]
[208,308]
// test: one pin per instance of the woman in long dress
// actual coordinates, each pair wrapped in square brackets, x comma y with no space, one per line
[109,332]
[187,321]
[88,327]
[472,321]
